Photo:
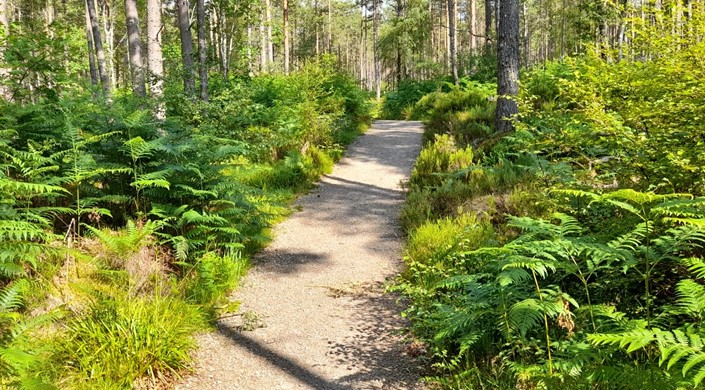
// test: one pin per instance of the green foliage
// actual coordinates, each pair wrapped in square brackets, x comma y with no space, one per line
[121,340]
[208,281]
[398,103]
[137,220]
[17,356]
[592,276]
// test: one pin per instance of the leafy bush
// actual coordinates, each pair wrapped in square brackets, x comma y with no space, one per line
[132,216]
[397,103]
[119,341]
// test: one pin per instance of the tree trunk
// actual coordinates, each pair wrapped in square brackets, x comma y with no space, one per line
[263,45]
[154,56]
[184,21]
[270,47]
[135,48]
[452,5]
[202,54]
[287,54]
[4,32]
[400,73]
[91,51]
[488,23]
[363,46]
[330,27]
[508,64]
[98,45]
[526,39]
[472,25]
[316,27]
[375,38]
[112,66]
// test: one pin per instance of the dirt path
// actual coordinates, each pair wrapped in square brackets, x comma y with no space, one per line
[317,290]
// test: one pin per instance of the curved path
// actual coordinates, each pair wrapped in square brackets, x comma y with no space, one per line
[314,315]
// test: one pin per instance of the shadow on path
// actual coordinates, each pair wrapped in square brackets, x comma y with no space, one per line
[284,363]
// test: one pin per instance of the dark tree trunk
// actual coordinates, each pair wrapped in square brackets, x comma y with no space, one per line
[202,57]
[400,73]
[98,45]
[91,51]
[508,64]
[186,47]
[488,23]
[451,38]
[134,44]
[375,38]
[287,50]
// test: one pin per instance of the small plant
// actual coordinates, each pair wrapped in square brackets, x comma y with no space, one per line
[120,340]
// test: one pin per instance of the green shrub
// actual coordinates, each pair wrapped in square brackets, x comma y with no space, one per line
[211,278]
[119,341]
[441,156]
[408,92]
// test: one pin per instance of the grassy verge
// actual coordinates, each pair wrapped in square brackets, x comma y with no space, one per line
[557,256]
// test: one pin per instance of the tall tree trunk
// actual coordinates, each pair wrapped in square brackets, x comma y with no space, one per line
[330,27]
[5,32]
[488,23]
[154,56]
[316,27]
[508,64]
[363,46]
[400,73]
[526,38]
[263,45]
[472,25]
[452,7]
[270,44]
[91,50]
[287,54]
[375,38]
[186,47]
[202,54]
[135,48]
[112,66]
[98,45]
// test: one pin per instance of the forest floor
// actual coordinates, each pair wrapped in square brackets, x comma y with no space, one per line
[314,313]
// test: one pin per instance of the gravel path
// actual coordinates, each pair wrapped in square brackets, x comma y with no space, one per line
[314,315]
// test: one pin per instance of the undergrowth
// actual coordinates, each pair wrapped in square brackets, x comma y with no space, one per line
[122,235]
[568,254]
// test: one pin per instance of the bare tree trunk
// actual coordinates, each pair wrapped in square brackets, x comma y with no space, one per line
[472,25]
[5,32]
[316,28]
[488,23]
[270,47]
[563,32]
[112,66]
[508,64]
[263,45]
[202,53]
[526,39]
[184,23]
[452,4]
[330,27]
[363,26]
[287,54]
[400,72]
[91,51]
[375,38]
[154,56]
[135,48]
[98,44]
